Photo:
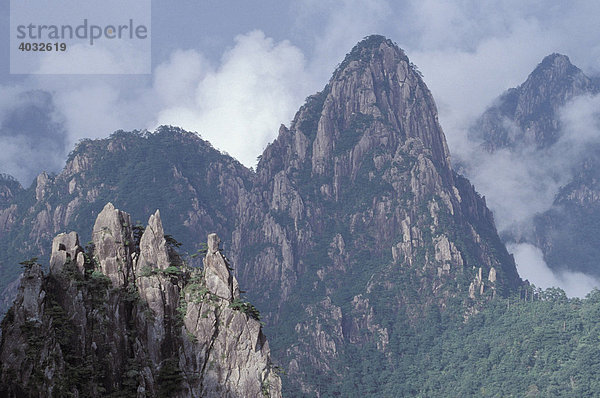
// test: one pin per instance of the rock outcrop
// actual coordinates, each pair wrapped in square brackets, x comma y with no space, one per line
[170,168]
[9,188]
[129,316]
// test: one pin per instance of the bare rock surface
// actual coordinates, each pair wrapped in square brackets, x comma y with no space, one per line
[130,317]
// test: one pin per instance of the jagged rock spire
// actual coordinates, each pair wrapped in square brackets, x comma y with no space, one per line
[153,246]
[66,247]
[219,279]
[154,288]
[112,239]
[168,326]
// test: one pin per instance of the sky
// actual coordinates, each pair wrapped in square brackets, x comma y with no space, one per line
[234,70]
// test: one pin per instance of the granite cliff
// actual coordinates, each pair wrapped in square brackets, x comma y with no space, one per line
[127,317]
[359,226]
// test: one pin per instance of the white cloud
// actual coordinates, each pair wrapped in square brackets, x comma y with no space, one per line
[239,106]
[580,119]
[29,126]
[531,266]
[176,80]
[465,82]
[517,186]
[521,183]
[334,27]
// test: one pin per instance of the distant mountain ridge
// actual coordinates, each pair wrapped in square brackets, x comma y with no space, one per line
[528,114]
[528,118]
[195,186]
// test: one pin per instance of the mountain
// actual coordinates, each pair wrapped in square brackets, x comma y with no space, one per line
[9,188]
[196,187]
[367,231]
[529,116]
[127,317]
[358,242]
[569,232]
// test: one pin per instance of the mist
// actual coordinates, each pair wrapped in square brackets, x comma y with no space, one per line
[524,182]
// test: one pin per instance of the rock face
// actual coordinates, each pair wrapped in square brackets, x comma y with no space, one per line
[127,316]
[198,189]
[9,188]
[361,226]
[528,114]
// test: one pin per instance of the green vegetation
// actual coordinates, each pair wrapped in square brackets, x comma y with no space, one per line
[362,50]
[169,378]
[265,388]
[548,347]
[246,308]
[27,264]
[311,113]
[351,135]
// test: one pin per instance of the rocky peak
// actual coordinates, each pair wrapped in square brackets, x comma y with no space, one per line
[32,293]
[153,246]
[219,279]
[169,330]
[65,247]
[376,101]
[376,98]
[553,82]
[528,114]
[42,183]
[9,187]
[555,67]
[360,188]
[112,240]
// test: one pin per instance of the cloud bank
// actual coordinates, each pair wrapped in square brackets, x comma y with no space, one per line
[519,184]
[532,267]
[239,105]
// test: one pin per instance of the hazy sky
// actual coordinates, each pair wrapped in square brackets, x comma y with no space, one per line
[235,70]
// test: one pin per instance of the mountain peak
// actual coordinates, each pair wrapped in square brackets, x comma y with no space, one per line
[374,43]
[367,48]
[555,60]
[375,100]
[554,67]
[534,106]
[152,334]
